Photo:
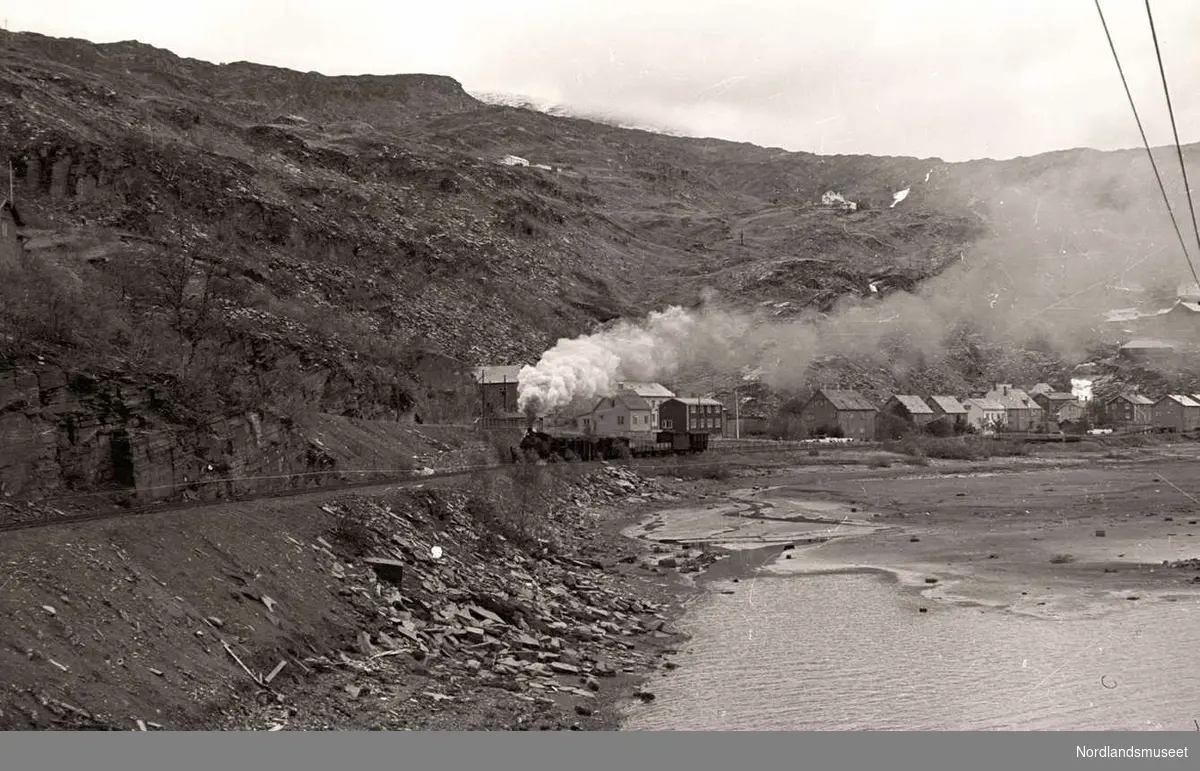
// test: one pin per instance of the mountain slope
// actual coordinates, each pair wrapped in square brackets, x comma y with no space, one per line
[252,238]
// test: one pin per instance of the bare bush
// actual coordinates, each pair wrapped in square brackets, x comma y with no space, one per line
[515,504]
[353,534]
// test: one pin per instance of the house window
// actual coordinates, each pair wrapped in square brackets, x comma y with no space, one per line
[667,424]
[620,420]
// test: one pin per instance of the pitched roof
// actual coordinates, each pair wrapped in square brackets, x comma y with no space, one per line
[1059,396]
[631,401]
[694,400]
[948,404]
[499,374]
[1186,401]
[1015,399]
[649,390]
[1132,399]
[1041,388]
[914,404]
[847,400]
[984,404]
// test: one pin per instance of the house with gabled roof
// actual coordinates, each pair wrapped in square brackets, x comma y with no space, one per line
[1051,403]
[985,415]
[910,408]
[1176,413]
[949,409]
[622,414]
[833,411]
[1022,413]
[1130,410]
[1147,350]
[654,394]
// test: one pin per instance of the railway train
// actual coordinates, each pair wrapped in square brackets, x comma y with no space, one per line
[537,445]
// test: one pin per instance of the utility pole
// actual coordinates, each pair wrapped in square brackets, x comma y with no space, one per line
[737,414]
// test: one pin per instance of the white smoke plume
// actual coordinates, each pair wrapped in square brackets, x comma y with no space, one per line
[1062,237]
[578,369]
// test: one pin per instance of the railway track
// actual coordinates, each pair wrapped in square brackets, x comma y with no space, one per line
[400,480]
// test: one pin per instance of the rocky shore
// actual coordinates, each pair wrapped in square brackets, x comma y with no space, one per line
[444,611]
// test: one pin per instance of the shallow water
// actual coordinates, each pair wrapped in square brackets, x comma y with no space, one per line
[852,652]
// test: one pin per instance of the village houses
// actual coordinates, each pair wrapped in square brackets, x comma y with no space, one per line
[949,409]
[1022,413]
[1176,413]
[1051,403]
[842,411]
[654,394]
[693,415]
[911,408]
[985,415]
[623,414]
[900,413]
[1129,410]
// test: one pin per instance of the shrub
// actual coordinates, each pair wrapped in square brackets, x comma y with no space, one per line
[515,504]
[355,535]
[1062,559]
[880,461]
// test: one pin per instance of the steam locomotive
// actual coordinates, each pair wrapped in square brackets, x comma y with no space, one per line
[537,445]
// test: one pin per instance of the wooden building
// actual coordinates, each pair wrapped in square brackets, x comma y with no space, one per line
[1022,413]
[949,409]
[1147,351]
[1051,402]
[1129,410]
[985,415]
[654,394]
[624,414]
[692,415]
[911,408]
[833,411]
[498,389]
[1176,413]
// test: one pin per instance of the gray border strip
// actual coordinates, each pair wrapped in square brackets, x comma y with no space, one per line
[660,751]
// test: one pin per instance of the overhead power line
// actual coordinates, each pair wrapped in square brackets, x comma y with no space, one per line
[1146,142]
[1187,188]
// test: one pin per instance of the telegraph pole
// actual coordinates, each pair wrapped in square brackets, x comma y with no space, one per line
[737,414]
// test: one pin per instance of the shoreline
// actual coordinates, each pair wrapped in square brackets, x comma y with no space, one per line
[635,555]
[1042,556]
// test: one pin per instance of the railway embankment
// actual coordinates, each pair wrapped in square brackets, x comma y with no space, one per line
[504,601]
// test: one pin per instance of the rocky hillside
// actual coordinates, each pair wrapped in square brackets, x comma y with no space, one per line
[250,238]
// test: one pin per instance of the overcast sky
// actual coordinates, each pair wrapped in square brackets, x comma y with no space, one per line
[956,79]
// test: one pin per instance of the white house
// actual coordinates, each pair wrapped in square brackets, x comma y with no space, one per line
[985,415]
